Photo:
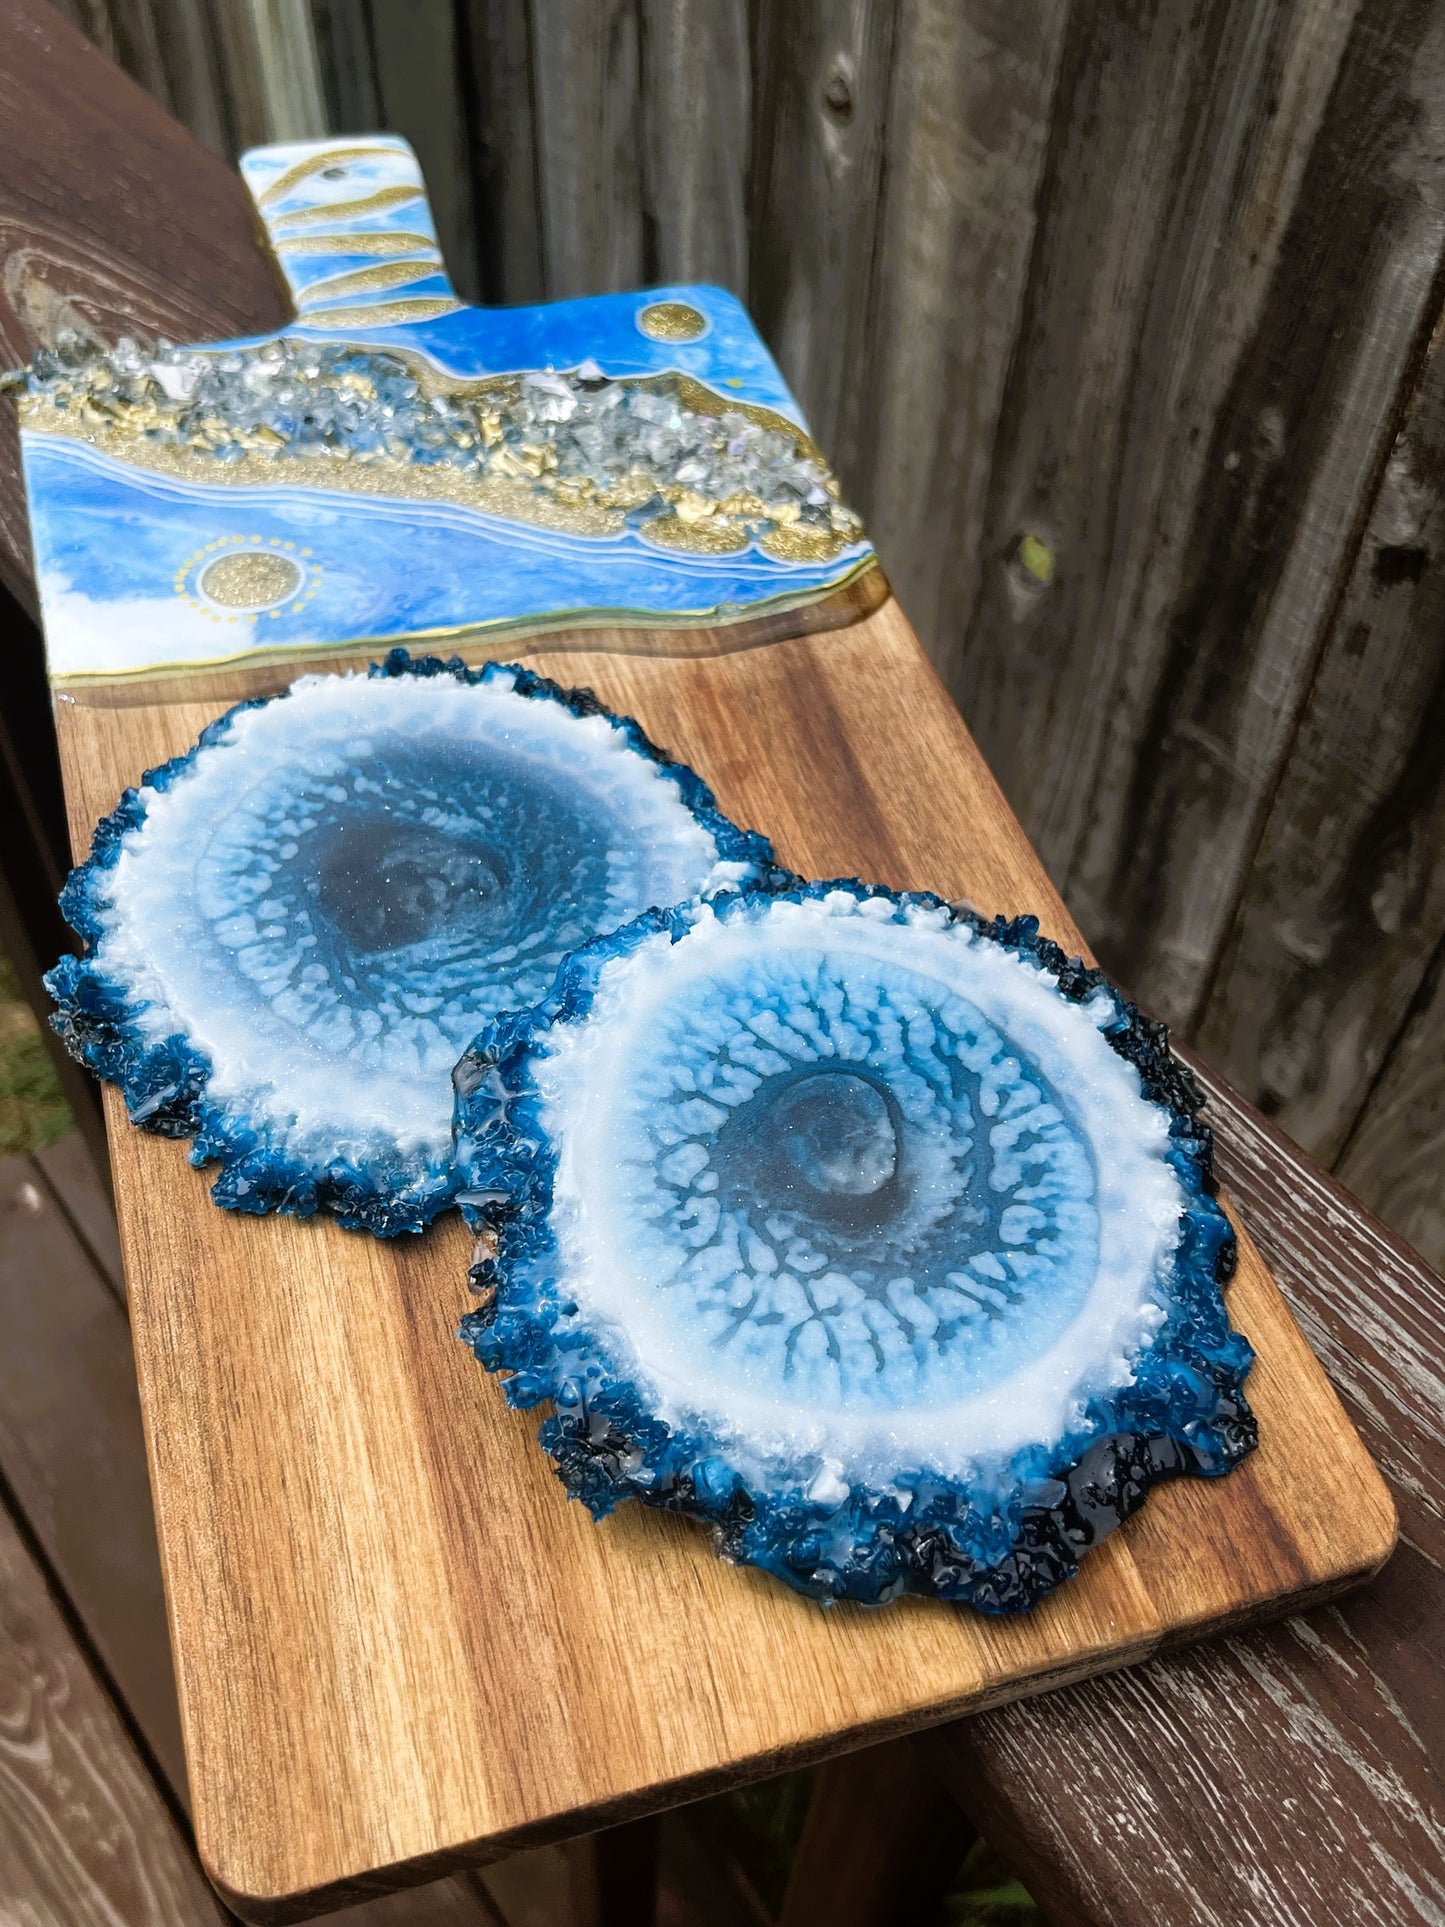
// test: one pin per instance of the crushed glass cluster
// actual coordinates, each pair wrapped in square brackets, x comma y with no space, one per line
[663,454]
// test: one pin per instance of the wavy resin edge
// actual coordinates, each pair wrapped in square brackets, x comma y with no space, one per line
[1184,1413]
[164,1081]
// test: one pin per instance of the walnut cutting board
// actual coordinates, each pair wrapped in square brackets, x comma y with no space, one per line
[400,1648]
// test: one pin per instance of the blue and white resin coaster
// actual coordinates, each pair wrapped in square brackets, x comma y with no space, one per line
[292,931]
[881,1238]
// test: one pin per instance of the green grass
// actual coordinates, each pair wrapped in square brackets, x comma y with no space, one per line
[32,1111]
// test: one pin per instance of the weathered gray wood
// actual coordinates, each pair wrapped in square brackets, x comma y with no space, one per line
[85,1838]
[1396,1157]
[170,47]
[696,103]
[270,72]
[1325,377]
[347,59]
[503,150]
[72,1453]
[418,86]
[1163,207]
[196,86]
[824,76]
[1345,903]
[128,31]
[967,126]
[82,1192]
[1293,1776]
[1180,143]
[585,81]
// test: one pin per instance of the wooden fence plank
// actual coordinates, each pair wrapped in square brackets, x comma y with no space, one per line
[1177,148]
[1288,1777]
[1345,902]
[823,85]
[502,124]
[419,87]
[270,71]
[967,126]
[585,82]
[347,57]
[1309,421]
[1395,1159]
[196,89]
[696,102]
[85,1838]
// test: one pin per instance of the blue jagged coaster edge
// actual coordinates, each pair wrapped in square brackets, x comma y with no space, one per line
[164,1081]
[1185,1412]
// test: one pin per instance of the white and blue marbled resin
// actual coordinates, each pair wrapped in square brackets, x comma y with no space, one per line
[294,930]
[850,1220]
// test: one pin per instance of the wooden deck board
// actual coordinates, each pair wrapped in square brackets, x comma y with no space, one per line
[72,1453]
[1293,1776]
[85,1838]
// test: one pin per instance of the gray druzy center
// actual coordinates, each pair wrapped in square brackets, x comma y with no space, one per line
[835,1131]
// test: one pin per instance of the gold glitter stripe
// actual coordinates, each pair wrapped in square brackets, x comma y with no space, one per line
[383,198]
[389,241]
[387,274]
[513,499]
[313,164]
[384,315]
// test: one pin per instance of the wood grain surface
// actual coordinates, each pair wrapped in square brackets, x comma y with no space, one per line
[398,1645]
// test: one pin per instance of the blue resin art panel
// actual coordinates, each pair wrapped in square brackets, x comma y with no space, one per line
[880,1238]
[397,465]
[292,931]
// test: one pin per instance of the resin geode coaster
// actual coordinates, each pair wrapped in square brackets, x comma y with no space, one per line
[291,932]
[879,1237]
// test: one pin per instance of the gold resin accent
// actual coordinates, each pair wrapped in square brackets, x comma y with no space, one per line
[250,579]
[389,241]
[317,164]
[672,321]
[385,314]
[797,544]
[709,535]
[376,203]
[388,274]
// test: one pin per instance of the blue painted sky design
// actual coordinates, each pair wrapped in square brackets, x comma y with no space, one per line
[111,541]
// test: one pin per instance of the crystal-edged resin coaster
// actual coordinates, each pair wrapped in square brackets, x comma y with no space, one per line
[882,1238]
[291,931]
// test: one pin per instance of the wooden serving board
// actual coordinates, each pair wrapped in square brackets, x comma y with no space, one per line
[400,1648]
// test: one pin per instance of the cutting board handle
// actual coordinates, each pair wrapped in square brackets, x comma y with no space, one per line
[351,229]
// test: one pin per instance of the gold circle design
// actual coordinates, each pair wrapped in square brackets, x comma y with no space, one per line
[250,579]
[672,321]
[238,578]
